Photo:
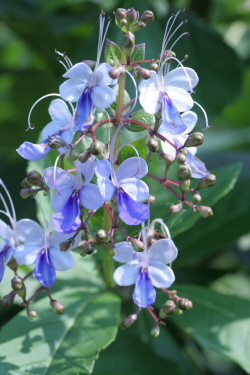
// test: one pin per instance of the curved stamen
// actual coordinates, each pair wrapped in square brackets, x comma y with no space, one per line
[66,59]
[55,173]
[9,216]
[30,126]
[10,200]
[60,61]
[186,33]
[183,67]
[204,112]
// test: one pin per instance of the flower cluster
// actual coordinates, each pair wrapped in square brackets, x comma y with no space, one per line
[92,178]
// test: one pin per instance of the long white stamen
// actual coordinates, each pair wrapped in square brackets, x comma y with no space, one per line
[204,112]
[101,40]
[9,216]
[10,200]
[136,94]
[66,59]
[183,67]
[174,33]
[65,67]
[186,33]
[30,126]
[165,37]
[55,173]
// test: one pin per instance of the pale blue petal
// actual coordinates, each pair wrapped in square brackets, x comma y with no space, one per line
[91,197]
[127,273]
[150,100]
[106,187]
[131,212]
[27,253]
[181,99]
[136,189]
[132,167]
[72,89]
[198,167]
[8,254]
[144,293]
[27,230]
[102,96]
[125,253]
[103,77]
[33,152]
[1,266]
[102,168]
[190,118]
[56,238]
[163,251]
[51,128]
[178,78]
[79,71]
[172,122]
[59,111]
[68,219]
[63,178]
[3,228]
[87,169]
[44,270]
[61,260]
[59,200]
[161,275]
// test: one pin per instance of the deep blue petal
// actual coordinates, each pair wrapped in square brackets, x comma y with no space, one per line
[44,270]
[171,118]
[83,118]
[198,167]
[144,293]
[68,219]
[1,265]
[131,212]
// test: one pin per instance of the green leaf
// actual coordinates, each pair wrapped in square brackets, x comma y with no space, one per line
[112,53]
[101,114]
[126,99]
[139,52]
[127,151]
[226,178]
[217,322]
[70,342]
[141,116]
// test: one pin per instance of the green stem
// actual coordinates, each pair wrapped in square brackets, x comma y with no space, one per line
[108,263]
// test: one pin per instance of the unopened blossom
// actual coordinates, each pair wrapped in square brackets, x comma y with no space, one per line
[89,88]
[147,269]
[42,248]
[190,119]
[62,125]
[129,189]
[70,193]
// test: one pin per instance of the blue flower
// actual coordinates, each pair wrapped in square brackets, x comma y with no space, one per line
[6,247]
[62,125]
[125,182]
[70,192]
[41,248]
[147,269]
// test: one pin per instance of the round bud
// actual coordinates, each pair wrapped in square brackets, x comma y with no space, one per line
[184,185]
[73,155]
[167,56]
[143,73]
[137,245]
[33,177]
[89,248]
[151,199]
[167,158]
[178,311]
[181,158]
[147,16]
[194,139]
[185,171]
[31,314]
[101,236]
[184,304]
[65,245]
[12,264]
[152,145]
[56,306]
[25,183]
[175,208]
[126,322]
[90,63]
[120,13]
[132,16]
[211,180]
[167,309]
[129,43]
[26,193]
[115,73]
[96,148]
[196,198]
[17,283]
[138,26]
[84,156]
[154,66]
[155,331]
[205,212]
[7,300]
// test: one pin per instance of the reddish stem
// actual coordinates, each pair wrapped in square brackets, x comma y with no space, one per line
[155,317]
[109,212]
[128,104]
[93,128]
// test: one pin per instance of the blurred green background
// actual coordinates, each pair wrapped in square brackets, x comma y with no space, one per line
[213,253]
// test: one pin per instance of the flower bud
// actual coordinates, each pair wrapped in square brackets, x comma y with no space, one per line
[120,13]
[12,264]
[167,158]
[152,145]
[96,148]
[167,56]
[84,156]
[181,158]
[115,73]
[147,16]
[194,139]
[154,66]
[143,73]
[151,199]
[129,43]
[56,142]
[26,193]
[126,322]
[184,171]
[25,184]
[178,311]
[89,248]
[7,300]
[101,236]
[137,245]
[56,306]
[207,182]
[196,198]
[184,304]
[184,185]
[131,17]
[205,212]
[31,314]
[18,286]
[65,245]
[155,331]
[73,155]
[175,208]
[138,26]
[167,309]
[35,178]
